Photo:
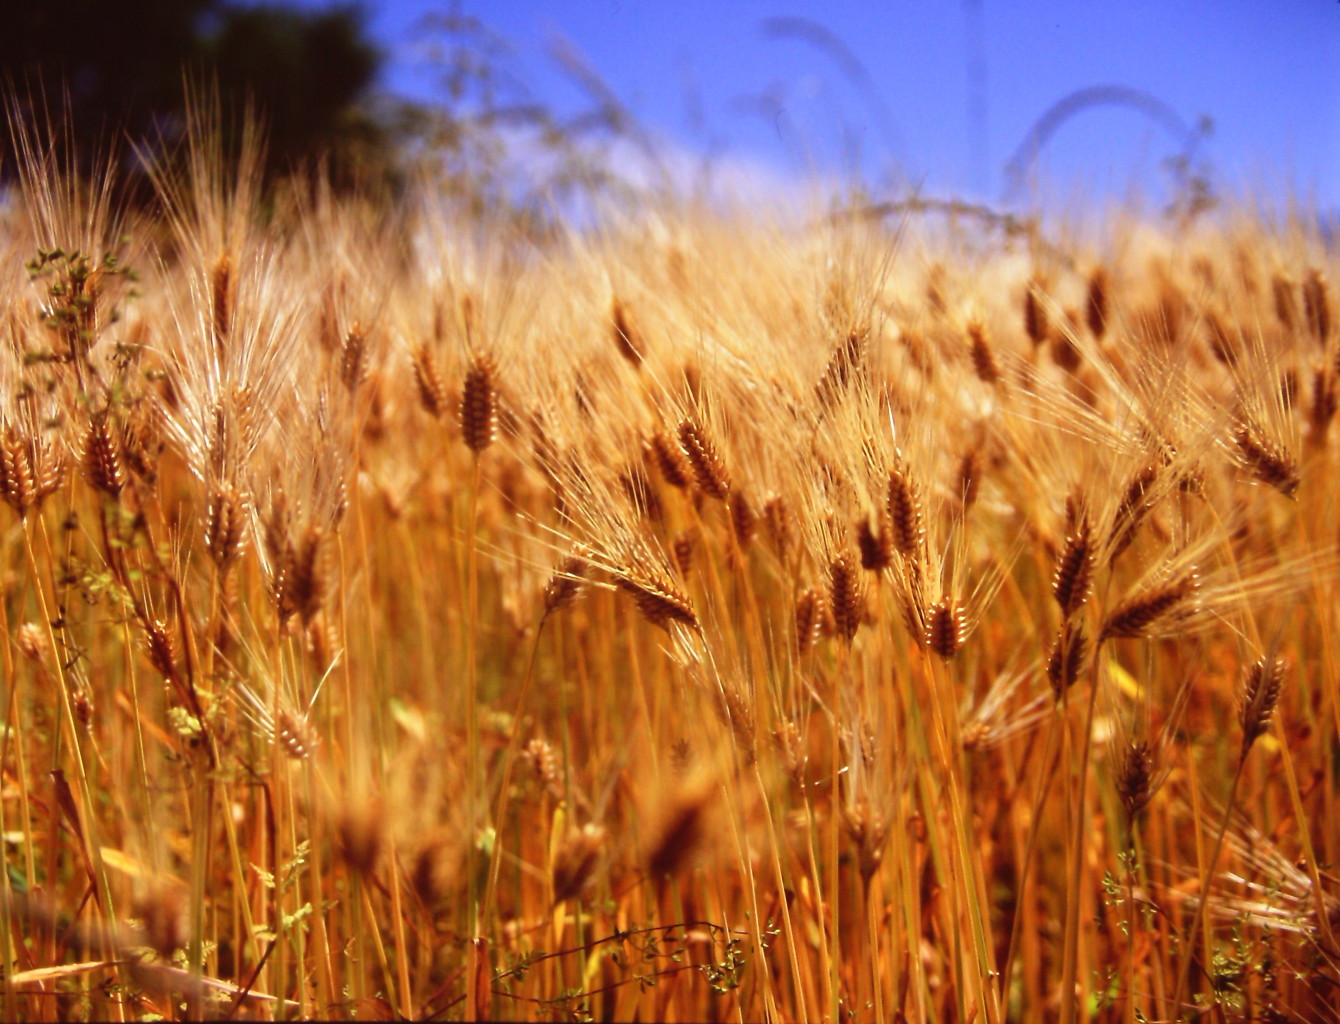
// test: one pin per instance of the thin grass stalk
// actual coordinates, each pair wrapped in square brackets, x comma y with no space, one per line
[840,675]
[65,713]
[509,759]
[1051,763]
[947,734]
[756,923]
[798,977]
[1070,952]
[1206,874]
[201,823]
[15,732]
[474,769]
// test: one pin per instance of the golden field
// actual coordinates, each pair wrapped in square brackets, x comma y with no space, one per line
[703,614]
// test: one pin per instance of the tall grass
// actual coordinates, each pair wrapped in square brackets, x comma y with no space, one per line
[705,615]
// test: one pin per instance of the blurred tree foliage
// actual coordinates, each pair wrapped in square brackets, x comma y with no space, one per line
[119,68]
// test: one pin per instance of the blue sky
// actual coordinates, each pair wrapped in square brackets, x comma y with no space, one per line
[937,93]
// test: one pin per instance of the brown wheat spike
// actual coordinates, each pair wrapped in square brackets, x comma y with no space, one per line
[359,828]
[1135,616]
[1035,317]
[221,299]
[300,580]
[969,477]
[709,468]
[103,465]
[1073,578]
[778,518]
[31,640]
[294,735]
[543,760]
[682,830]
[1317,306]
[684,548]
[1131,511]
[626,337]
[875,543]
[1223,346]
[225,526]
[845,359]
[1260,694]
[49,467]
[1286,310]
[479,404]
[1135,778]
[1269,462]
[565,585]
[1064,349]
[162,648]
[141,441]
[576,860]
[354,357]
[17,482]
[322,642]
[1324,402]
[1066,658]
[1096,309]
[432,389]
[743,519]
[904,507]
[983,358]
[309,574]
[809,619]
[845,596]
[946,627]
[657,599]
[670,460]
[867,831]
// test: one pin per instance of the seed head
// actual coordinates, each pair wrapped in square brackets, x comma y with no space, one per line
[1317,306]
[1138,615]
[743,519]
[709,468]
[354,357]
[946,627]
[658,600]
[432,389]
[225,526]
[626,338]
[1260,694]
[1268,461]
[1074,570]
[1035,317]
[905,515]
[809,619]
[17,485]
[103,465]
[1066,658]
[875,543]
[221,299]
[1135,778]
[576,860]
[983,358]
[565,585]
[479,404]
[1096,308]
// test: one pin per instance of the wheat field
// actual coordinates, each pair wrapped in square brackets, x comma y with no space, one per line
[698,614]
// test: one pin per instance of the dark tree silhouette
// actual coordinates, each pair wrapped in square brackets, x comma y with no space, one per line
[119,68]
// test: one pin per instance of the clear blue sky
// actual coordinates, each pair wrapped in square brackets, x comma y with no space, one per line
[939,92]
